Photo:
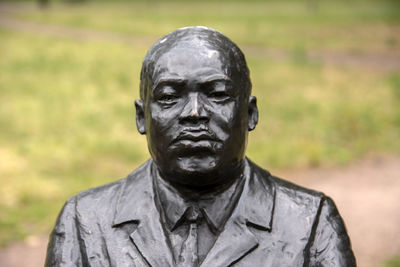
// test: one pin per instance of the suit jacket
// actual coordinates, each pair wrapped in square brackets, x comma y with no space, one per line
[275,223]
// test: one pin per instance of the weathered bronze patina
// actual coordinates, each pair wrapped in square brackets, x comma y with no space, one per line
[198,201]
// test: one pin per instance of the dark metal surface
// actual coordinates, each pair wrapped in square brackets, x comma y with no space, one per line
[196,110]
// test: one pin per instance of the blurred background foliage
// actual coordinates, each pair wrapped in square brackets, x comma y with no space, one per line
[326,75]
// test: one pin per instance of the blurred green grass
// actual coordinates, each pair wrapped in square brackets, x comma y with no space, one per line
[67,113]
[393,262]
[280,24]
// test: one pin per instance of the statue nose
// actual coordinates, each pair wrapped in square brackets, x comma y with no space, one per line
[193,109]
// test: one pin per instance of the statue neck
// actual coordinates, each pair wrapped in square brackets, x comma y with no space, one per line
[223,182]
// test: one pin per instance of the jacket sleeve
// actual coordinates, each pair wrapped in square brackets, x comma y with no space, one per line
[331,245]
[63,248]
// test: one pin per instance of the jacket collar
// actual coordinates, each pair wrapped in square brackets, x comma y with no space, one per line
[136,204]
[135,197]
[258,199]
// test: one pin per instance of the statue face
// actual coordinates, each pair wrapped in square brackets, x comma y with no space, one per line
[195,116]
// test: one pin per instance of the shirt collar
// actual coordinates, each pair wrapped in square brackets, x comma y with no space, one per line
[216,208]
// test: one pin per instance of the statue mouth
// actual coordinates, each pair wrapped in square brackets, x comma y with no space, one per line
[188,142]
[195,136]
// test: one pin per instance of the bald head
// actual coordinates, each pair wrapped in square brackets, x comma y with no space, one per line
[201,44]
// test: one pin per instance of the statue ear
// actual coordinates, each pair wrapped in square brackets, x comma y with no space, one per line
[140,118]
[253,113]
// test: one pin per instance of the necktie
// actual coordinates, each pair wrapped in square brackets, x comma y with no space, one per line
[188,256]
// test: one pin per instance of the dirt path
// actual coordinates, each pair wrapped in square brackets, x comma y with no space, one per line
[367,194]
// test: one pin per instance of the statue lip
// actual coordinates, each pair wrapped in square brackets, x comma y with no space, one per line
[200,142]
[195,136]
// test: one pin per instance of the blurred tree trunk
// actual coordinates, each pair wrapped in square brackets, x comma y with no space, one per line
[43,3]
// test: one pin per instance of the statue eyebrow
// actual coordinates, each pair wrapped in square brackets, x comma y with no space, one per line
[180,81]
[217,78]
[162,81]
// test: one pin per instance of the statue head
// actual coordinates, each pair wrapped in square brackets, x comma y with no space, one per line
[196,107]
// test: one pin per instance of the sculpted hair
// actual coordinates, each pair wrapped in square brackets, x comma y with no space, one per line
[201,36]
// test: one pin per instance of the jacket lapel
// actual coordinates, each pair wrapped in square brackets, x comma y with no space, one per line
[136,205]
[254,209]
[234,243]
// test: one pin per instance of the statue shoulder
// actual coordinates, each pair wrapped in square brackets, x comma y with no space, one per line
[104,195]
[101,200]
[289,192]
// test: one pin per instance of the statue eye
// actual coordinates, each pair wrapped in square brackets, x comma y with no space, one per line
[167,99]
[219,96]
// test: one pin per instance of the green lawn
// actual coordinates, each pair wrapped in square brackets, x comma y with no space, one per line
[67,114]
[394,262]
[363,26]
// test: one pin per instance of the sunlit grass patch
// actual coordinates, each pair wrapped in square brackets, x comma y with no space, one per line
[393,262]
[67,123]
[321,114]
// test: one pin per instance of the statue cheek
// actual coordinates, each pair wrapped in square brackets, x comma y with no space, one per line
[159,118]
[223,113]
[230,117]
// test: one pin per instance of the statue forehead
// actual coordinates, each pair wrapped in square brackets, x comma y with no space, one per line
[191,59]
[192,47]
[200,37]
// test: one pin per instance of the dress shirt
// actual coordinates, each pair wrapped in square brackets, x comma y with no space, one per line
[215,208]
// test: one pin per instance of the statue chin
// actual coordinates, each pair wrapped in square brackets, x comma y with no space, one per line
[200,172]
[196,171]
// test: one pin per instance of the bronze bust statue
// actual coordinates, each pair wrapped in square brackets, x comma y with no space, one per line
[198,201]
